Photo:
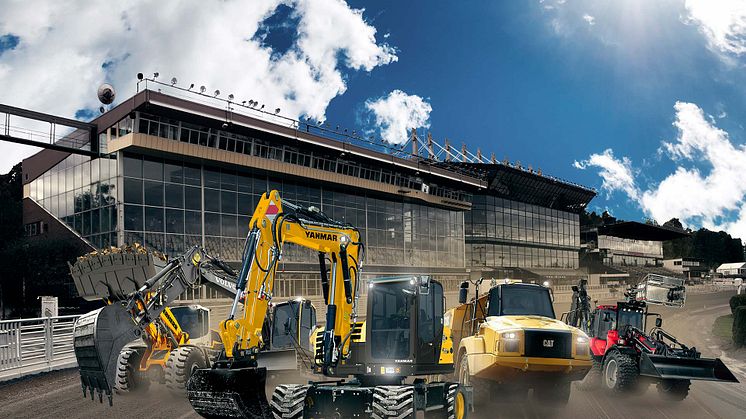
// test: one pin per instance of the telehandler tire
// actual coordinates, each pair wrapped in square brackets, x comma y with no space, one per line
[181,364]
[620,373]
[674,390]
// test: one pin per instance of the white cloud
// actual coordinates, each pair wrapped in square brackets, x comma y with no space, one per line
[617,174]
[589,19]
[58,63]
[696,196]
[397,113]
[722,22]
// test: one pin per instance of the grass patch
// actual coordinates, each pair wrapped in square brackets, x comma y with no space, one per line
[723,327]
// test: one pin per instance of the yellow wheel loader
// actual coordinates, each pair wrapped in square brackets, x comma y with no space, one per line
[370,360]
[508,342]
[140,337]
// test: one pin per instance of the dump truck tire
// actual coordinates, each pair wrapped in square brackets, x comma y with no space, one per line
[592,380]
[181,363]
[554,394]
[288,401]
[129,378]
[620,372]
[674,390]
[393,402]
[480,388]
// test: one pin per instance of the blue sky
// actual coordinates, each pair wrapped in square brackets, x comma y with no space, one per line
[641,100]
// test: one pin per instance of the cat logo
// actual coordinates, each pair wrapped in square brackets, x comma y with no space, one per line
[548,343]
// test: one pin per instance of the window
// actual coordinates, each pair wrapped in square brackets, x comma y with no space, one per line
[390,321]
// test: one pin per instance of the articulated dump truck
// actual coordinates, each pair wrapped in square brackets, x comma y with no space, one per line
[507,342]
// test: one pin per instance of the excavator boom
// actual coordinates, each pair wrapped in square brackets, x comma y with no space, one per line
[234,386]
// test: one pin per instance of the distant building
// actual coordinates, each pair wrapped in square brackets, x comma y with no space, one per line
[732,269]
[626,250]
[689,267]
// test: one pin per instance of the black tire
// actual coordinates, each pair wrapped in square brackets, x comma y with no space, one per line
[454,405]
[181,363]
[592,380]
[288,400]
[674,390]
[620,373]
[480,388]
[129,378]
[393,402]
[553,394]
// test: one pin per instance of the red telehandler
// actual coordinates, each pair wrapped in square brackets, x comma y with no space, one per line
[626,359]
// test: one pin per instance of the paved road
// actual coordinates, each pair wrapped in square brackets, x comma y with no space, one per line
[58,394]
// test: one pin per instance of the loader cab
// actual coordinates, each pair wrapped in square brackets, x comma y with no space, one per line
[404,325]
[291,324]
[193,319]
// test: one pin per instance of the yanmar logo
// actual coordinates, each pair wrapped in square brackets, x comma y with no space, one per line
[321,236]
[548,343]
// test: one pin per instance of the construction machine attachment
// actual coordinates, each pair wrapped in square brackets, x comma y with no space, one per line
[667,367]
[229,393]
[98,338]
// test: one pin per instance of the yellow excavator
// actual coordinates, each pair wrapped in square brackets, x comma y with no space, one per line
[141,337]
[371,360]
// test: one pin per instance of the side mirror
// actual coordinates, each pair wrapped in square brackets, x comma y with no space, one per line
[658,322]
[607,317]
[462,292]
[307,304]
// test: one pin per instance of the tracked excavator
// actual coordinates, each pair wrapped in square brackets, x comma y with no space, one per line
[365,364]
[140,337]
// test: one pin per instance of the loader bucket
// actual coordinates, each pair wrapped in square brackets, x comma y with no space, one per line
[664,367]
[229,393]
[98,337]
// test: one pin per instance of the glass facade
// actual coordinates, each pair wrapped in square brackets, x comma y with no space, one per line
[503,233]
[81,192]
[169,205]
[621,251]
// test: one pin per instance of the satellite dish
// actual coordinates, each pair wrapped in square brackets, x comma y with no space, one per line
[106,94]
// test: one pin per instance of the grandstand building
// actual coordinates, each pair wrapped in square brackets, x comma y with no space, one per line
[179,168]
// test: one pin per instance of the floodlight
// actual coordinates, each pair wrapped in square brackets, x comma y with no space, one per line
[202,89]
[173,81]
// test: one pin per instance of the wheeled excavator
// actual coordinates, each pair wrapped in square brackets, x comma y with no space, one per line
[140,337]
[368,361]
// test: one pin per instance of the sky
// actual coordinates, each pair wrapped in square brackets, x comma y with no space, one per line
[642,100]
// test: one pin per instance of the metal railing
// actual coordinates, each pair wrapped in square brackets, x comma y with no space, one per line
[30,346]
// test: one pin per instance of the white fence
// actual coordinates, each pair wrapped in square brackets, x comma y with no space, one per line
[30,346]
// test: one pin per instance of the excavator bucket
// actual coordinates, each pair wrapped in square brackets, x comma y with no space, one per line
[665,367]
[229,393]
[98,337]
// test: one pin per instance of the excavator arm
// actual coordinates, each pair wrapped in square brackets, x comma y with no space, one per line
[234,387]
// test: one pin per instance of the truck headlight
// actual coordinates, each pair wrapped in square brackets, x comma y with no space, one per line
[581,346]
[510,341]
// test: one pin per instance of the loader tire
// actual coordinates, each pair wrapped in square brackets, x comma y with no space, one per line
[181,364]
[480,388]
[620,372]
[592,380]
[288,401]
[393,402]
[129,378]
[674,390]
